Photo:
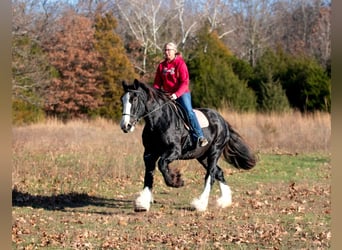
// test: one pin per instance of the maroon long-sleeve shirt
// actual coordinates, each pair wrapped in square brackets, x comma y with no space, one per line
[172,77]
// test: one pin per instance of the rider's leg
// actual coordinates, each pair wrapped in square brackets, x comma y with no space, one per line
[197,133]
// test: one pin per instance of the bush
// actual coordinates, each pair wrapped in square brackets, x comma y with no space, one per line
[304,83]
[307,85]
[26,113]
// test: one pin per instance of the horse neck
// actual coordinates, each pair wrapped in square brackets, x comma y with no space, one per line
[157,112]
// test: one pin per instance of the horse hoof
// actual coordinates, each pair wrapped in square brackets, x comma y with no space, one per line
[143,202]
[140,209]
[179,183]
[199,205]
[177,180]
[223,203]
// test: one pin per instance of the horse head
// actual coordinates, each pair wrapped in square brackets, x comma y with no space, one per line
[139,101]
[133,105]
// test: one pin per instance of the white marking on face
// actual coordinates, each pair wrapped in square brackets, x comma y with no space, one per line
[126,115]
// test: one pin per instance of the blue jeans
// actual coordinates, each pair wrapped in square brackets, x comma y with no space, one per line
[185,101]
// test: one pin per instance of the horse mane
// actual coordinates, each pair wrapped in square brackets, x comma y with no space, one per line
[153,93]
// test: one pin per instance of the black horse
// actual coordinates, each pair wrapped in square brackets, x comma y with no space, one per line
[165,138]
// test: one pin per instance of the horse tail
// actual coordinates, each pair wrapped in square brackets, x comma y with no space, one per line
[237,152]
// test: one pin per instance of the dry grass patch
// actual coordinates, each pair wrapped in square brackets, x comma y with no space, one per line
[284,133]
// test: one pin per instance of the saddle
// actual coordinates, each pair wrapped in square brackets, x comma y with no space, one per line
[187,141]
[202,119]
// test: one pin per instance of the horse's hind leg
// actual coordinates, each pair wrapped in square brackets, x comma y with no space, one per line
[226,194]
[213,173]
[144,200]
[201,203]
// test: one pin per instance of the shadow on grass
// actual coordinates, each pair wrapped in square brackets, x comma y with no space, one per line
[62,201]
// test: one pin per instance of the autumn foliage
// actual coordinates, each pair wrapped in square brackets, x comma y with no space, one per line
[76,90]
[69,58]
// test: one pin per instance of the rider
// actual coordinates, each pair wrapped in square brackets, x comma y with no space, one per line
[173,77]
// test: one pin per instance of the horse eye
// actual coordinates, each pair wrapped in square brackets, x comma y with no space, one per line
[135,99]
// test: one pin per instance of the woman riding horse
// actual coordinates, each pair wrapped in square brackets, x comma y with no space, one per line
[163,138]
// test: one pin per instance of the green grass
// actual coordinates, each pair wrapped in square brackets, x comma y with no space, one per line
[284,168]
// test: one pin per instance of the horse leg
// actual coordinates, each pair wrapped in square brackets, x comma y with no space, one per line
[213,173]
[144,200]
[171,178]
[201,203]
[226,194]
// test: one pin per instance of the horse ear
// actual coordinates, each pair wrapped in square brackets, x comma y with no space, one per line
[136,84]
[124,84]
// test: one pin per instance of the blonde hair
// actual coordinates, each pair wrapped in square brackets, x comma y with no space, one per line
[172,45]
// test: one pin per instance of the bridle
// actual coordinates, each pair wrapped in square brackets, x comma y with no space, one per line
[136,120]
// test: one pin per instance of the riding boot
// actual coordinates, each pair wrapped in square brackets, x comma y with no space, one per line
[202,141]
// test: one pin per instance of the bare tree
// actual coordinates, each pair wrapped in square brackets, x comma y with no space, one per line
[185,30]
[218,15]
[255,25]
[321,36]
[305,28]
[144,19]
[30,68]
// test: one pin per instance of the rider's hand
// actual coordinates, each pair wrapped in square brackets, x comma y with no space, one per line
[173,96]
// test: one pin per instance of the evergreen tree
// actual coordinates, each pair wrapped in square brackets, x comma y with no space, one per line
[266,83]
[242,69]
[274,97]
[307,85]
[115,65]
[213,81]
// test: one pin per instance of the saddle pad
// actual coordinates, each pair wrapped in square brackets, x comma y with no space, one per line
[202,119]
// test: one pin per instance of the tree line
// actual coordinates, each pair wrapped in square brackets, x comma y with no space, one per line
[69,57]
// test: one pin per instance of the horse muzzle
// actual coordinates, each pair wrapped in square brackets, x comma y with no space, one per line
[126,125]
[127,128]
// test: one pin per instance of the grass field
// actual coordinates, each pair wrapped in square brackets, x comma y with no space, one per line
[74,186]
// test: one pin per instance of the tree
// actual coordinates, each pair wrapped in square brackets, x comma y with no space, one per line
[116,66]
[76,91]
[254,22]
[213,80]
[307,85]
[265,79]
[305,82]
[143,19]
[274,97]
[31,71]
[306,28]
[30,74]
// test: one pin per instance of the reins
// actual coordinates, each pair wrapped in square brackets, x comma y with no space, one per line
[157,108]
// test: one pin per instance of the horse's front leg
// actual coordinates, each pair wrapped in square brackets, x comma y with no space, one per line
[144,200]
[172,178]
